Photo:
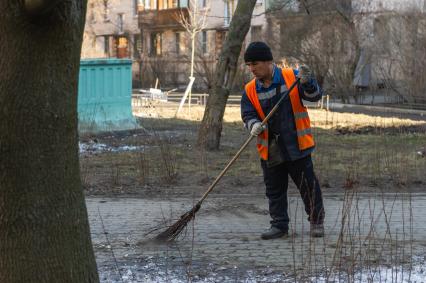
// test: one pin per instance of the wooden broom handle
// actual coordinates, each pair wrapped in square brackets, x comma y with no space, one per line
[246,143]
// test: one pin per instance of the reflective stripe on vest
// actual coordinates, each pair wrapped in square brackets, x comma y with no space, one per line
[303,125]
[305,138]
[262,139]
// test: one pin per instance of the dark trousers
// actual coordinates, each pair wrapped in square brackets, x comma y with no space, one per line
[276,180]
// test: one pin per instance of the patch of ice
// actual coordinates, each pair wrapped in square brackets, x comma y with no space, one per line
[93,148]
[400,274]
[151,272]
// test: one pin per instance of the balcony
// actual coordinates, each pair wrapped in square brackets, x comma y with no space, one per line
[162,19]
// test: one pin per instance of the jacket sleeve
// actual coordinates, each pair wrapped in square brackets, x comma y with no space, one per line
[248,112]
[310,91]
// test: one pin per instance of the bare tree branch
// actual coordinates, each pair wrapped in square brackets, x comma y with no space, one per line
[196,21]
[193,25]
[303,2]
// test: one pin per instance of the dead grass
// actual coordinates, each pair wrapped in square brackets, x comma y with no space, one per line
[353,150]
[320,118]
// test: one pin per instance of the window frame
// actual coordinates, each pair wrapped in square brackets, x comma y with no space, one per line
[204,42]
[177,43]
[106,46]
[156,44]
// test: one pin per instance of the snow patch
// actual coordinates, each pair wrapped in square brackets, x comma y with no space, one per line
[93,148]
[150,272]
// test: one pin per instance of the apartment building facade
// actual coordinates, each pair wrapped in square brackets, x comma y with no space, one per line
[393,34]
[112,31]
[166,44]
[362,43]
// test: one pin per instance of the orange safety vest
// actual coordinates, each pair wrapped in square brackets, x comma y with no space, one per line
[300,112]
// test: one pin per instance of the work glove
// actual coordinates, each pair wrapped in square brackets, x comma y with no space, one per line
[256,129]
[305,74]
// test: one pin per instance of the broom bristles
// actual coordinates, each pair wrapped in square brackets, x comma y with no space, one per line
[174,231]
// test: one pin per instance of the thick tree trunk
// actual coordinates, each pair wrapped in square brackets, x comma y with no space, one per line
[44,230]
[211,126]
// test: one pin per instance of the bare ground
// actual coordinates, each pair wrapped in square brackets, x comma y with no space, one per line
[140,177]
[353,151]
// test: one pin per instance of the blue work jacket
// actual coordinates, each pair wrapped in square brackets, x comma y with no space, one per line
[282,125]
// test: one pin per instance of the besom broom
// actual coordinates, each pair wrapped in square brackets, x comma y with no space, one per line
[174,230]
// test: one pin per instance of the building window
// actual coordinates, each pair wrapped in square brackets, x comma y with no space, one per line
[180,43]
[202,3]
[229,11]
[155,44]
[137,46]
[106,45]
[220,38]
[204,42]
[120,22]
[91,10]
[382,34]
[136,6]
[226,15]
[163,4]
[106,10]
[177,46]
[256,33]
[147,4]
[122,47]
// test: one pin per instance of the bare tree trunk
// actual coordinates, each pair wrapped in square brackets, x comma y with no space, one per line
[44,230]
[211,126]
[348,18]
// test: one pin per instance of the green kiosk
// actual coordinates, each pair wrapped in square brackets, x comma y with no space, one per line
[105,95]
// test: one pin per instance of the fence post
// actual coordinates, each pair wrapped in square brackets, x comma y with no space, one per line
[328,99]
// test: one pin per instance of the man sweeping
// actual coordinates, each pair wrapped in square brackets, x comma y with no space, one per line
[285,144]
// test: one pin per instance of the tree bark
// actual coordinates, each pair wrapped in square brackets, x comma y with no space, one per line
[211,126]
[44,230]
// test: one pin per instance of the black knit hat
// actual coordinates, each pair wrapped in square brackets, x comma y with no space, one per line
[258,51]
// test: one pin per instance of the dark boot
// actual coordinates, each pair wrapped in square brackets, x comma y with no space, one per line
[273,233]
